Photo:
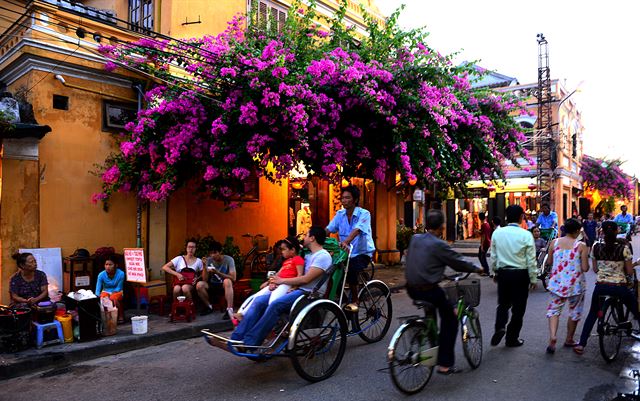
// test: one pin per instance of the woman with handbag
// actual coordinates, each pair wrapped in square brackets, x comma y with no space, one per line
[185,270]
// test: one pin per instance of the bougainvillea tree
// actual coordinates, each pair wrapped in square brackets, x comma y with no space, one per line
[606,177]
[260,100]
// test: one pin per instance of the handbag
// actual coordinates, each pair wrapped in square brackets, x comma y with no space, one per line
[188,274]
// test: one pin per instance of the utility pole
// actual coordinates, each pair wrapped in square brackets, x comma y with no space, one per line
[545,143]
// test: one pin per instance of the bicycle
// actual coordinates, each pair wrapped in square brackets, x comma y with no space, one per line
[543,270]
[254,262]
[613,322]
[413,350]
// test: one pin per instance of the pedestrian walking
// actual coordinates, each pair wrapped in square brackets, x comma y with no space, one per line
[513,264]
[485,241]
[567,282]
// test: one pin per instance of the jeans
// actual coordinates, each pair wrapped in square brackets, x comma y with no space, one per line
[625,294]
[448,322]
[262,317]
[513,292]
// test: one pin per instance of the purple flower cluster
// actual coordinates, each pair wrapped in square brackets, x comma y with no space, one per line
[260,103]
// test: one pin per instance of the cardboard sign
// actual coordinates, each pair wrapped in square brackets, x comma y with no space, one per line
[134,265]
[83,281]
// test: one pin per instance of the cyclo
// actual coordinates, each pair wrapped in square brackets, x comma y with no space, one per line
[314,332]
[549,234]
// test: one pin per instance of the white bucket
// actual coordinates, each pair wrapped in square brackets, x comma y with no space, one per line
[139,324]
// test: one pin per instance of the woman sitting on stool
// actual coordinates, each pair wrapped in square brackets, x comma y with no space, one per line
[28,285]
[110,283]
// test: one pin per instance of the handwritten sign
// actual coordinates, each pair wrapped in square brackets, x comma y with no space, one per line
[134,265]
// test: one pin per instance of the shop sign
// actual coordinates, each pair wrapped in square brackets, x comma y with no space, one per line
[134,265]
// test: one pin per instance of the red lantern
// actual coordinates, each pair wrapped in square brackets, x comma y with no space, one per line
[413,181]
[532,186]
[491,187]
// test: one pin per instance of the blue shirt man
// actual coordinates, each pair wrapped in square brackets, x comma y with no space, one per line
[591,228]
[623,217]
[353,225]
[547,219]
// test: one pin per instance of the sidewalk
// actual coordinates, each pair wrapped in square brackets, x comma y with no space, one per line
[160,331]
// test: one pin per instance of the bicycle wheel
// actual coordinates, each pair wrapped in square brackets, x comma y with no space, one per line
[259,264]
[609,336]
[545,272]
[374,312]
[471,335]
[319,341]
[408,372]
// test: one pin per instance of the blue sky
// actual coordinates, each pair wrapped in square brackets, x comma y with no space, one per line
[590,42]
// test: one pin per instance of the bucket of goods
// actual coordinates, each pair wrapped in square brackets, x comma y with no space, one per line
[139,324]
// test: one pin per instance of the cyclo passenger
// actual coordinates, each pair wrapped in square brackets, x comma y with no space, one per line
[262,317]
[611,261]
[427,258]
[547,221]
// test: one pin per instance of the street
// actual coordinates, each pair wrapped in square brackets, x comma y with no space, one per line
[192,370]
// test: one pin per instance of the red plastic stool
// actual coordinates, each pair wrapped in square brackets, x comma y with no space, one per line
[182,310]
[160,301]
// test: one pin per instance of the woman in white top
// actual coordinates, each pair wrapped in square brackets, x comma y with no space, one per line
[185,270]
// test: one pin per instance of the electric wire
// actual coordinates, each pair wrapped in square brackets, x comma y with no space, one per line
[127,66]
[187,84]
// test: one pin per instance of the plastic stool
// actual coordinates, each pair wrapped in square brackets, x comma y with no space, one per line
[159,300]
[42,328]
[185,310]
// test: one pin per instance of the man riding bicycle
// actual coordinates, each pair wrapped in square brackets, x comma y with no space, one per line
[547,221]
[427,258]
[624,220]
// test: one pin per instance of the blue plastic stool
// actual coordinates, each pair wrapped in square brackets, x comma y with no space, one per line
[41,328]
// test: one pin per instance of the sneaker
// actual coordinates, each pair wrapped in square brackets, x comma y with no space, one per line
[206,311]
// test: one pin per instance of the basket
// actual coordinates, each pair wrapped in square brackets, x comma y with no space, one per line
[469,289]
[262,243]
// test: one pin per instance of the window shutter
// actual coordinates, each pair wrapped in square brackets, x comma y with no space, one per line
[262,15]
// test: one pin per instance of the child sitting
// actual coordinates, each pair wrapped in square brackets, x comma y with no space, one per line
[292,266]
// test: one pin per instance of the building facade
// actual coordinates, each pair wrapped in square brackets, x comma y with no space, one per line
[49,58]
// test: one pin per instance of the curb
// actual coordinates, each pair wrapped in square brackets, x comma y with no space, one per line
[32,362]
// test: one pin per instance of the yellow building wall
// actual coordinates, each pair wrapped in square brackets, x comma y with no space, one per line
[267,217]
[68,219]
[18,215]
[213,15]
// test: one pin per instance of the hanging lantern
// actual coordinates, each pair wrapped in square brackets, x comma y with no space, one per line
[413,181]
[297,184]
[532,186]
[344,183]
[491,187]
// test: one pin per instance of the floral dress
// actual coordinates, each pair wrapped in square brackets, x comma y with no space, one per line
[566,281]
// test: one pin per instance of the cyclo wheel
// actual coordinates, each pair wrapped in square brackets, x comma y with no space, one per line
[374,312]
[609,336]
[545,272]
[471,335]
[408,374]
[319,340]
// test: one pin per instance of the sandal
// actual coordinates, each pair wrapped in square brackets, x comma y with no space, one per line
[551,348]
[570,344]
[578,349]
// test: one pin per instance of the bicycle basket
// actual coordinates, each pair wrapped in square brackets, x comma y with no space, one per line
[469,289]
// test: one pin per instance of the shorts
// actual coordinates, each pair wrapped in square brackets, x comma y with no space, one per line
[356,265]
[216,289]
[114,296]
[576,304]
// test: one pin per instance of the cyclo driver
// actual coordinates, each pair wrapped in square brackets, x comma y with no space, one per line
[547,221]
[427,258]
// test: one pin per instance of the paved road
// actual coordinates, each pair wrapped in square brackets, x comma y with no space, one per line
[192,370]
